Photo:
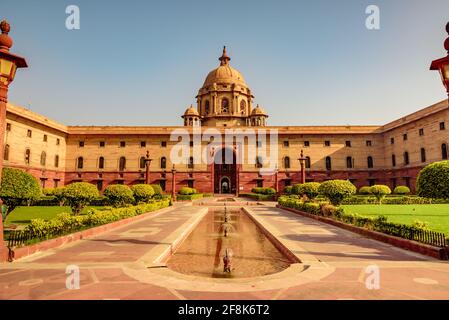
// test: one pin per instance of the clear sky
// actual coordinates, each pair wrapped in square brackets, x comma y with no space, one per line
[307,62]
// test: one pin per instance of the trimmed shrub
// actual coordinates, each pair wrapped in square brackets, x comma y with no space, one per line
[258,196]
[16,187]
[187,197]
[310,189]
[187,191]
[297,189]
[365,190]
[264,190]
[142,192]
[337,190]
[79,194]
[380,191]
[401,190]
[288,189]
[157,189]
[433,181]
[119,195]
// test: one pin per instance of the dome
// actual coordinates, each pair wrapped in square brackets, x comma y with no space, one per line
[258,111]
[191,111]
[224,73]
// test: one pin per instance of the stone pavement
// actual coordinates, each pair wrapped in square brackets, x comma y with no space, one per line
[120,264]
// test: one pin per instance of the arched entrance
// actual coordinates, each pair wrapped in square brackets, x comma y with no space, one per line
[225,171]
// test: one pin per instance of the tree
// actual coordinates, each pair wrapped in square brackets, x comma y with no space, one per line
[142,192]
[16,187]
[79,194]
[433,181]
[337,190]
[119,195]
[380,191]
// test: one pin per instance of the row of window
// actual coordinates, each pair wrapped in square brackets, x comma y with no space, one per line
[327,143]
[30,134]
[420,132]
[406,156]
[43,160]
[122,144]
[80,163]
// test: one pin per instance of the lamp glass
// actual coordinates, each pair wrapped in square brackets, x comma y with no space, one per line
[6,68]
[445,71]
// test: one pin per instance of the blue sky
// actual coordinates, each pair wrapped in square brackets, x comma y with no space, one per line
[307,62]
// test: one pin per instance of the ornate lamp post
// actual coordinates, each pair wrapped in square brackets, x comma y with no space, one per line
[9,63]
[442,65]
[302,161]
[147,167]
[276,180]
[173,183]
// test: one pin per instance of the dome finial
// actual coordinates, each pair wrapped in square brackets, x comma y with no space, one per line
[446,43]
[5,40]
[224,59]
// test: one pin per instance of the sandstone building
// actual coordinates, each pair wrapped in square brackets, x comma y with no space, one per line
[390,154]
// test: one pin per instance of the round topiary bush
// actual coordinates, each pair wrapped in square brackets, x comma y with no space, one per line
[79,194]
[297,189]
[186,191]
[402,190]
[380,191]
[337,190]
[310,189]
[119,195]
[365,190]
[433,181]
[16,187]
[288,189]
[157,189]
[142,192]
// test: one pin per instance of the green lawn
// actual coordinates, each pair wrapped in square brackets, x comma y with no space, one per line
[24,215]
[436,216]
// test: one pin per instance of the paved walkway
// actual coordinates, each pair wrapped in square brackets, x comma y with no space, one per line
[120,264]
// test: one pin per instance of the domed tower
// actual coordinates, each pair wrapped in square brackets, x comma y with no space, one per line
[191,117]
[224,99]
[258,117]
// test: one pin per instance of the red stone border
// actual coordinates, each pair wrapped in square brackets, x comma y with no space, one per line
[431,251]
[21,252]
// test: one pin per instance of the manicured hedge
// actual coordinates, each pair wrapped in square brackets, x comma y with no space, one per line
[157,189]
[337,190]
[119,195]
[186,197]
[392,200]
[80,194]
[365,190]
[142,192]
[380,191]
[433,181]
[258,196]
[401,190]
[66,223]
[187,191]
[288,189]
[263,190]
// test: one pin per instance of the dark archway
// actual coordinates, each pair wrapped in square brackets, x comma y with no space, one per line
[225,171]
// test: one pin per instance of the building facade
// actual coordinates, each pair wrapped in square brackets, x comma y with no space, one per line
[390,154]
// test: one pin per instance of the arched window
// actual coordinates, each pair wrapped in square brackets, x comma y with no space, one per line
[190,164]
[163,163]
[101,163]
[207,107]
[56,161]
[444,151]
[370,162]
[328,163]
[406,158]
[6,152]
[224,105]
[80,163]
[27,156]
[242,106]
[43,158]
[287,162]
[122,164]
[259,162]
[308,163]
[393,160]
[349,162]
[142,163]
[423,155]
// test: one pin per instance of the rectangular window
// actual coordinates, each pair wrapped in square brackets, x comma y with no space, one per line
[55,183]
[143,144]
[260,183]
[43,183]
[421,132]
[191,144]
[163,144]
[122,144]
[58,141]
[102,144]
[369,143]
[407,181]
[259,144]
[306,143]
[404,137]
[29,133]
[286,143]
[8,127]
[391,140]
[442,126]
[348,144]
[81,144]
[327,143]
[45,138]
[371,182]
[190,183]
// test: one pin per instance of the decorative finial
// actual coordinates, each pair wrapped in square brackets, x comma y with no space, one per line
[224,59]
[302,153]
[447,28]
[446,43]
[5,40]
[148,154]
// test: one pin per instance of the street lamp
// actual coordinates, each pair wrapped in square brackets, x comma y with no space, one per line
[173,183]
[9,63]
[302,161]
[442,65]
[147,167]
